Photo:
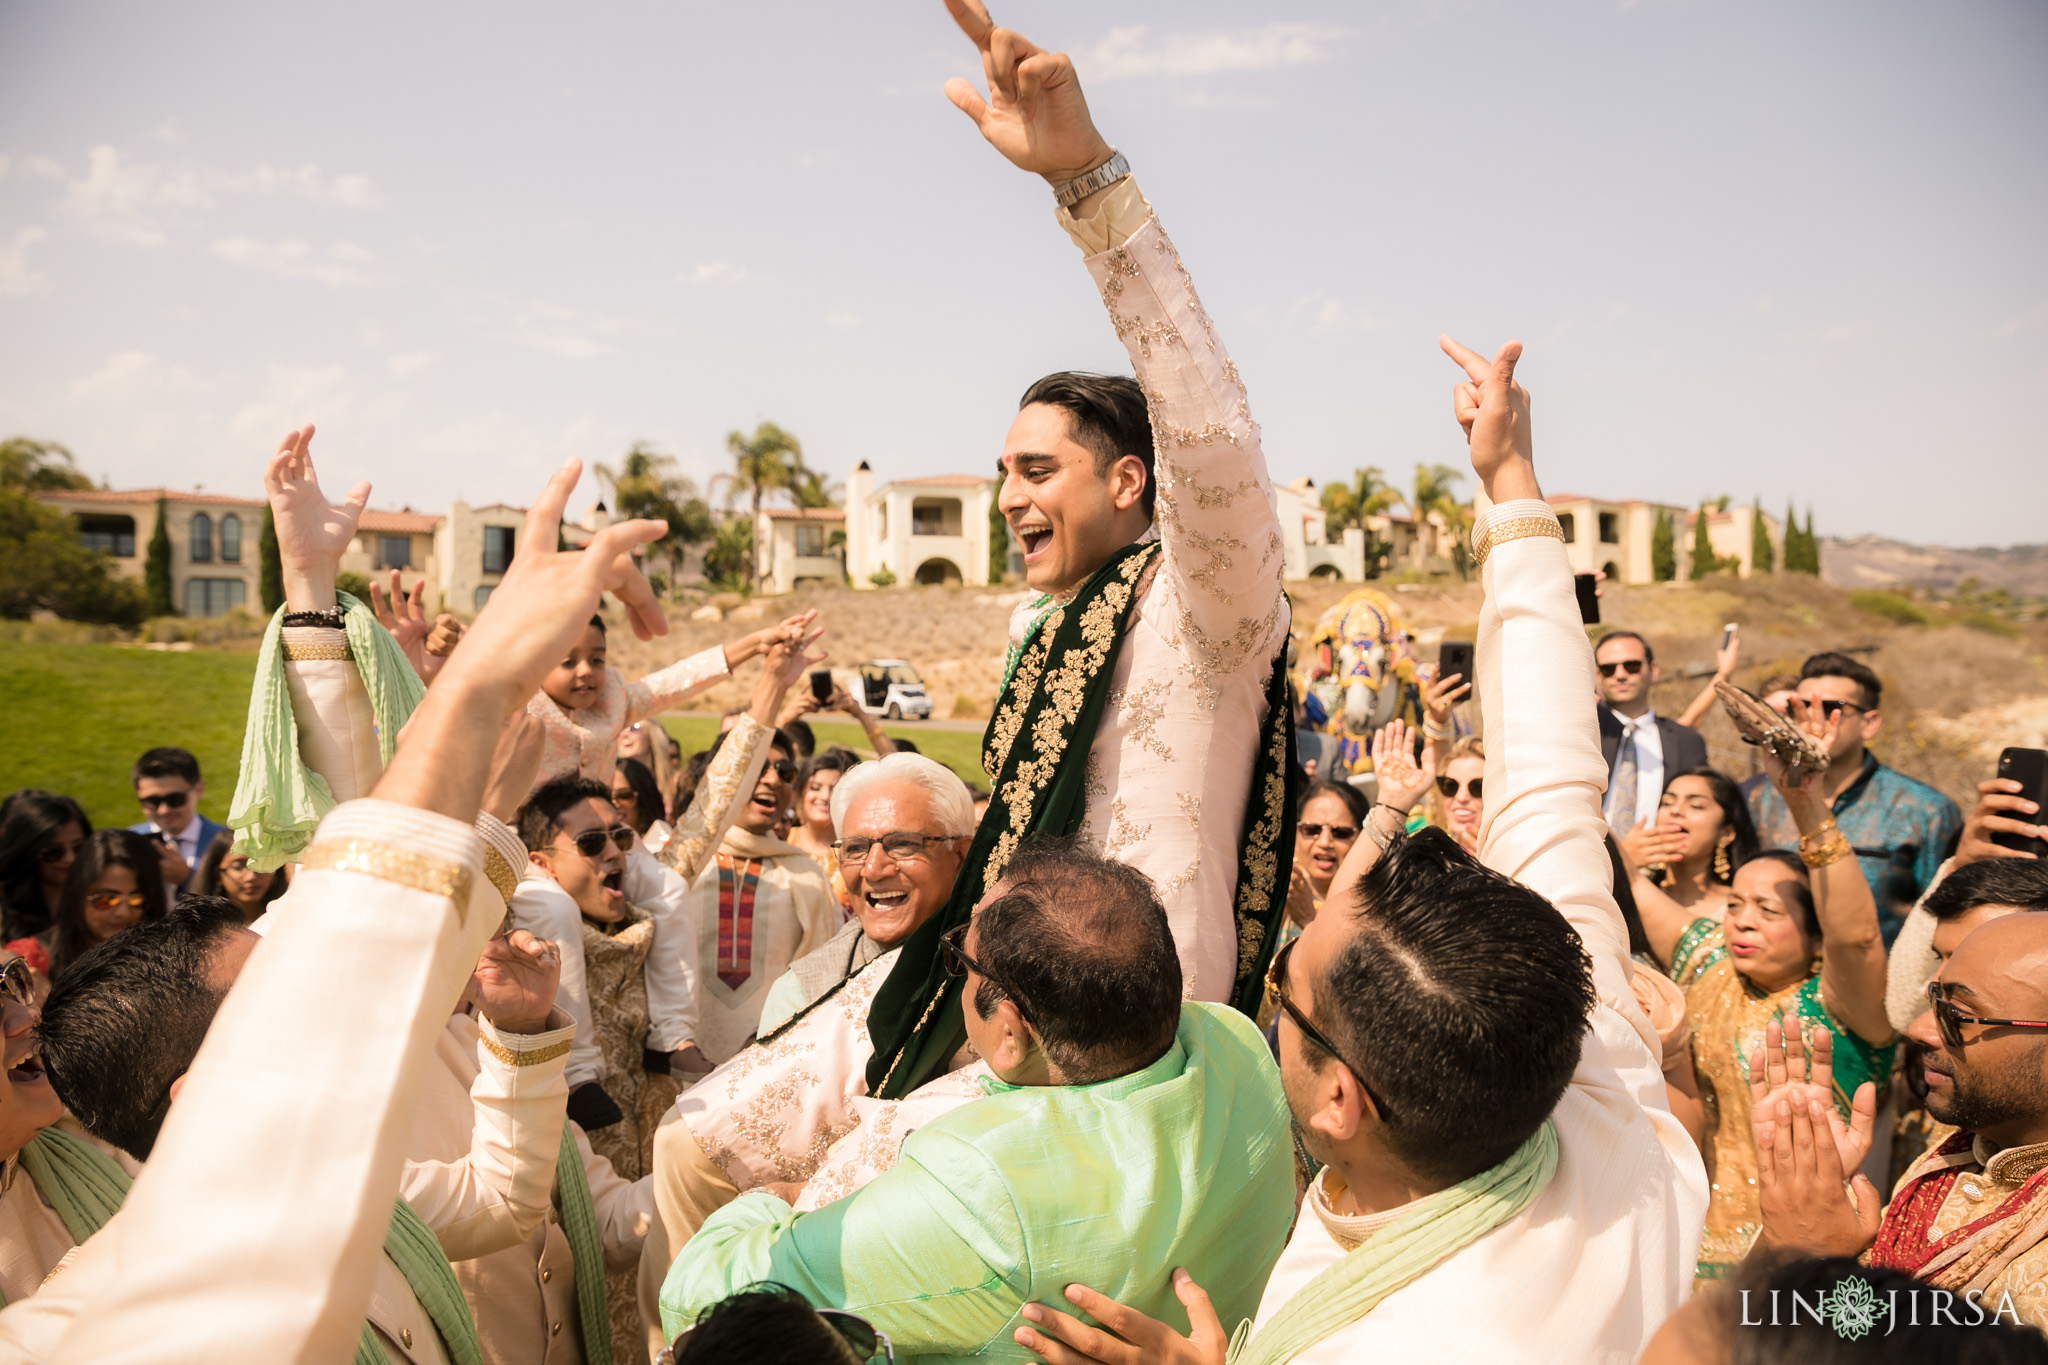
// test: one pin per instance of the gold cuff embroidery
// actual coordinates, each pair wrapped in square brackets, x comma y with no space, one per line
[533,1057]
[300,653]
[1514,529]
[500,872]
[416,871]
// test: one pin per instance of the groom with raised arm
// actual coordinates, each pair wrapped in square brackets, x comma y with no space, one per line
[1144,706]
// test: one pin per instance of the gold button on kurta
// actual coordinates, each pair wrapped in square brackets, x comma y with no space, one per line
[405,1337]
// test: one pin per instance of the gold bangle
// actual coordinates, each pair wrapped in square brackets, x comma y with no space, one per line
[1515,528]
[530,1057]
[1821,855]
[302,653]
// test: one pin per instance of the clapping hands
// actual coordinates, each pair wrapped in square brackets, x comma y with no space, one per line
[1804,1150]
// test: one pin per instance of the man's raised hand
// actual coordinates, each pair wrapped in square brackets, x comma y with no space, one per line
[1034,114]
[1494,411]
[312,534]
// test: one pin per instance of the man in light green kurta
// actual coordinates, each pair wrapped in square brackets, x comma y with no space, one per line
[1123,1134]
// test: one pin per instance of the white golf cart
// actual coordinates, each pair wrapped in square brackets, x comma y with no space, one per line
[888,688]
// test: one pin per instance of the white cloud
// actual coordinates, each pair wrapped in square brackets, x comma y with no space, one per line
[1321,316]
[293,395]
[306,182]
[39,166]
[841,321]
[167,132]
[17,276]
[714,272]
[550,327]
[1126,52]
[132,374]
[132,202]
[406,364]
[291,259]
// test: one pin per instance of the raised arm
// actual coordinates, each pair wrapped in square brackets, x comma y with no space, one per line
[1214,505]
[1544,774]
[672,686]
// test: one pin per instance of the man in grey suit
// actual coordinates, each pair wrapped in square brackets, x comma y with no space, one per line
[1643,749]
[168,786]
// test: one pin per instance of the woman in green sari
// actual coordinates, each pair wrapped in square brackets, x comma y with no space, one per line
[1800,939]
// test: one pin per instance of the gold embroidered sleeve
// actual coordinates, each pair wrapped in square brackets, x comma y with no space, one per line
[727,784]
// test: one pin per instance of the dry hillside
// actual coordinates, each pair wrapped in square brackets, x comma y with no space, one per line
[1954,693]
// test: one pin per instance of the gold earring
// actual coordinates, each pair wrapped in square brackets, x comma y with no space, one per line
[1721,868]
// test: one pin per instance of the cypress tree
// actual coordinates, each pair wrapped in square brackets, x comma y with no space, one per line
[1809,544]
[1761,559]
[1663,550]
[1703,561]
[270,574]
[156,567]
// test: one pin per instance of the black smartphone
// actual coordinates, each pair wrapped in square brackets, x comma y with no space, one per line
[821,684]
[1588,588]
[2029,768]
[1455,656]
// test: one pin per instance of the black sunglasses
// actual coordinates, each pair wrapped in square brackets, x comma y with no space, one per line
[590,843]
[958,963]
[1276,982]
[783,768]
[17,982]
[58,851]
[1629,666]
[1831,708]
[165,800]
[1950,1017]
[1343,834]
[1449,787]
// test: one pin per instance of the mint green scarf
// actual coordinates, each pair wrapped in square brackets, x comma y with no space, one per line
[279,801]
[83,1184]
[417,1253]
[586,1248]
[1434,1228]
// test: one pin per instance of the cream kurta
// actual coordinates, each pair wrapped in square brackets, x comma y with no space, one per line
[1170,766]
[586,741]
[1605,1253]
[32,1237]
[758,905]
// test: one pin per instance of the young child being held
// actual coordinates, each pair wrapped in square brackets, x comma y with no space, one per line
[584,704]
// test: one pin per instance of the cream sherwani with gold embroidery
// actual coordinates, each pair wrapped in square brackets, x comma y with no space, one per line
[1170,766]
[1605,1253]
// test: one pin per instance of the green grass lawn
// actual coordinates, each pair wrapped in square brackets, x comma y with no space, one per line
[73,718]
[959,750]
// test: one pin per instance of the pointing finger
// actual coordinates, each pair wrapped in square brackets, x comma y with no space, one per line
[1474,363]
[544,518]
[972,16]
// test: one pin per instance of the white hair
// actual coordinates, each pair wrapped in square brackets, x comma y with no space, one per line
[952,803]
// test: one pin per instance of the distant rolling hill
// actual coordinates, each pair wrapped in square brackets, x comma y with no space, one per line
[1874,562]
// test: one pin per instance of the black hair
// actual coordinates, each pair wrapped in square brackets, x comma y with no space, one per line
[1833,665]
[785,741]
[1466,994]
[1353,799]
[764,1324]
[539,820]
[206,880]
[1649,655]
[597,624]
[129,1017]
[904,746]
[30,821]
[1106,413]
[800,737]
[1083,940]
[1785,1310]
[2021,883]
[103,849]
[1802,894]
[1734,817]
[166,761]
[647,806]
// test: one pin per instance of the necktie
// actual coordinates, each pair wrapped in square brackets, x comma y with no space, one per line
[1621,812]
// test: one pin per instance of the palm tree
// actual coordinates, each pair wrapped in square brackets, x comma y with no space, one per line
[1348,504]
[644,485]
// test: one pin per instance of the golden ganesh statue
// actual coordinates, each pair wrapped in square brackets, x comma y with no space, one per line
[1359,674]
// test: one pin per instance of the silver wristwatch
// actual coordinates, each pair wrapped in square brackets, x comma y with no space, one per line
[1103,176]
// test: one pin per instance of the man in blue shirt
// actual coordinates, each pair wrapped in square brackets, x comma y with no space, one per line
[1901,829]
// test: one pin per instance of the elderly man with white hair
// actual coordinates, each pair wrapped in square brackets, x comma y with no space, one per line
[903,826]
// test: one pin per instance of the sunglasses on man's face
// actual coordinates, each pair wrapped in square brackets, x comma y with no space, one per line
[1830,708]
[17,983]
[108,900]
[1276,982]
[1950,1017]
[590,843]
[957,963]
[1449,787]
[783,769]
[163,801]
[1343,834]
[1628,666]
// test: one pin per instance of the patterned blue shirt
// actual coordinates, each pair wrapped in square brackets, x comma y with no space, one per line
[1901,830]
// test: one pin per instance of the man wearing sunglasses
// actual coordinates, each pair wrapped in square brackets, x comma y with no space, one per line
[1900,828]
[1639,745]
[168,786]
[1970,1215]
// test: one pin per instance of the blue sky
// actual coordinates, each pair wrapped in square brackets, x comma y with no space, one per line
[1754,248]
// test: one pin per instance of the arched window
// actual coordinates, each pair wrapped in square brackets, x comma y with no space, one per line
[201,543]
[231,539]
